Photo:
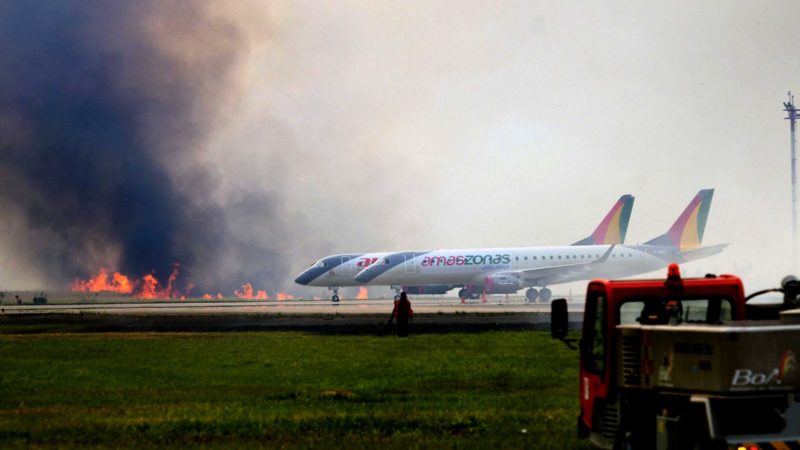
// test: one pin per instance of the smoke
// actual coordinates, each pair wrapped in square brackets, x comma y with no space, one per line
[104,112]
[243,140]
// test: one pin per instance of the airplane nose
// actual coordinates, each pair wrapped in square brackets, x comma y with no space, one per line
[302,279]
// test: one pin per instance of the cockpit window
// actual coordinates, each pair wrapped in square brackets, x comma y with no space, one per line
[322,264]
[386,261]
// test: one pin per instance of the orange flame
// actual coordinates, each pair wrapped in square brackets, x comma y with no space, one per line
[363,293]
[147,287]
[247,292]
[100,283]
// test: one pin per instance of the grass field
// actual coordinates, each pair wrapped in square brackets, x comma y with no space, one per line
[224,390]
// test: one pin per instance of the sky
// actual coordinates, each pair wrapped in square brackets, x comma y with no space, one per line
[332,127]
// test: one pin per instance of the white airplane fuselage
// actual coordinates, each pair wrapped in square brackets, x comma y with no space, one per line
[534,266]
[338,270]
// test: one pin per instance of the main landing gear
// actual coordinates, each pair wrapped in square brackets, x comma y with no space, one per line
[544,295]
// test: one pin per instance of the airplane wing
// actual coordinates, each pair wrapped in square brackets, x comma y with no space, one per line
[542,276]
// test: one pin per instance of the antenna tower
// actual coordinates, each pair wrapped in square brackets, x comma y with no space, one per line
[792,117]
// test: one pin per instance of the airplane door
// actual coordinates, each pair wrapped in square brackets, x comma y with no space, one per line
[412,265]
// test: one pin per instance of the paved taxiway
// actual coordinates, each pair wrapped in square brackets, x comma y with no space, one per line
[349,316]
[294,307]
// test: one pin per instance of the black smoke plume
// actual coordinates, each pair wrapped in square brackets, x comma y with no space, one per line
[103,112]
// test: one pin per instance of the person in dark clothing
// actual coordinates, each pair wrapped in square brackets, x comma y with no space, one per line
[403,312]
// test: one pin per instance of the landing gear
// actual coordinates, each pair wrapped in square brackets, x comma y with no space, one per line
[545,295]
[462,294]
[532,294]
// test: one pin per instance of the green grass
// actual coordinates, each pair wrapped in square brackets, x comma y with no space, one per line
[482,390]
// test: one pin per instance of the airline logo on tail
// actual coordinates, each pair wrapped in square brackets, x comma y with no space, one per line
[687,232]
[614,226]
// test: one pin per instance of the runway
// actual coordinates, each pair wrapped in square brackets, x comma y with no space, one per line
[322,316]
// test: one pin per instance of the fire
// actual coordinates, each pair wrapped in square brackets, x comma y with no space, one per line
[247,292]
[363,293]
[118,283]
[147,287]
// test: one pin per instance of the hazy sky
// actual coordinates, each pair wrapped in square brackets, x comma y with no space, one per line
[401,125]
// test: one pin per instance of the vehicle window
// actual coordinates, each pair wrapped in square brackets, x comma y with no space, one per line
[701,310]
[593,348]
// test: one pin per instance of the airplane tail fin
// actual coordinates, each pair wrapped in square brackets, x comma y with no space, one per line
[614,226]
[687,232]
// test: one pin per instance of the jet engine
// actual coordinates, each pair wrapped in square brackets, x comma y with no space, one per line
[502,284]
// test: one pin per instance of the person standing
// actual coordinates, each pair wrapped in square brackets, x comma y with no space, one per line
[404,313]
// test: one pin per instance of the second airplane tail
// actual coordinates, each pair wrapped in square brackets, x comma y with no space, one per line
[687,232]
[614,226]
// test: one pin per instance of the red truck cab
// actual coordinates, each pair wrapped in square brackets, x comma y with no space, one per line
[710,300]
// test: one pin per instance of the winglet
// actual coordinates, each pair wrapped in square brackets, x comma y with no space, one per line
[687,232]
[614,226]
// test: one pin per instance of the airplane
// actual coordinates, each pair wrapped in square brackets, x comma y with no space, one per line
[508,270]
[336,271]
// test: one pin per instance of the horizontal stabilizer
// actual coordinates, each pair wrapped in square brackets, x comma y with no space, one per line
[702,252]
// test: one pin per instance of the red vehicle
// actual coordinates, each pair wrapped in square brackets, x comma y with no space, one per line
[663,363]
